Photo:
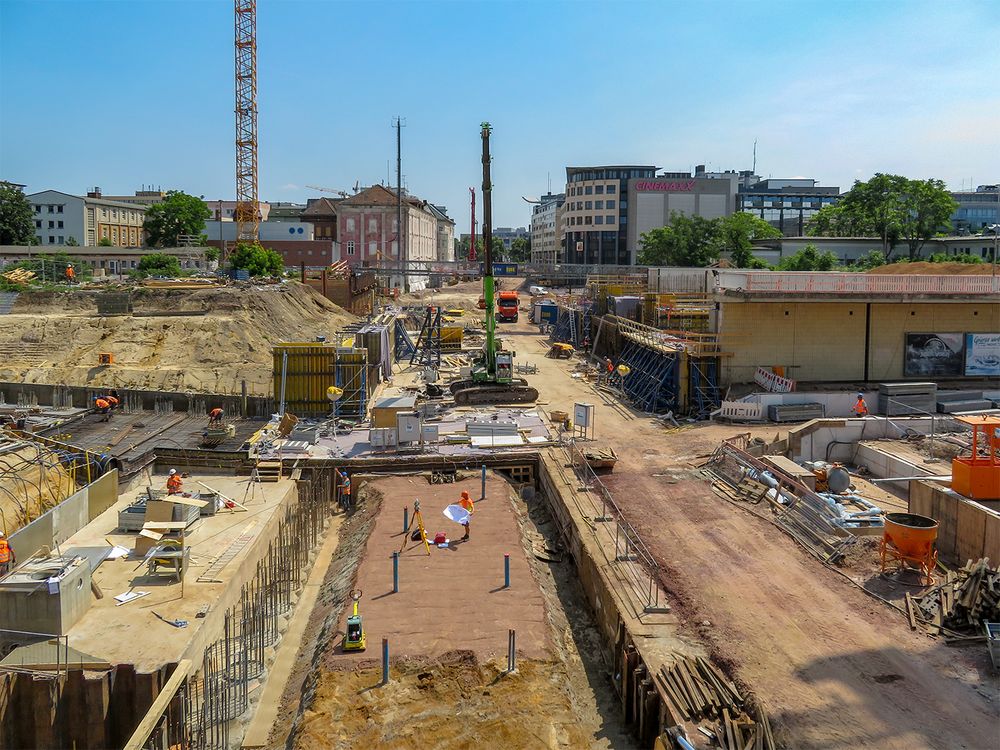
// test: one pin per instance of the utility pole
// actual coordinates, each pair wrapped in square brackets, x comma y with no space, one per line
[399,124]
[472,231]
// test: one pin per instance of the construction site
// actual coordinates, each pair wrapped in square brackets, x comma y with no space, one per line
[522,507]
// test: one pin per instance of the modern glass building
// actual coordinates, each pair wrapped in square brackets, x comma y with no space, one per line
[977,209]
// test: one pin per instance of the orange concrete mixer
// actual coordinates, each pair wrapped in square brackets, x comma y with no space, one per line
[908,541]
[977,476]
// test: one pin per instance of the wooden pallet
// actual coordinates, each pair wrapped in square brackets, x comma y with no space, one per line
[268,471]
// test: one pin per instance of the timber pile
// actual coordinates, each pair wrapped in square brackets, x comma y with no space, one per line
[19,276]
[958,606]
[696,690]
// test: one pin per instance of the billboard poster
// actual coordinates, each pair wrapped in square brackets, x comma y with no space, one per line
[982,354]
[934,354]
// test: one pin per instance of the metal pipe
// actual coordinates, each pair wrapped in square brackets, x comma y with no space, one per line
[395,572]
[385,661]
[506,570]
[483,495]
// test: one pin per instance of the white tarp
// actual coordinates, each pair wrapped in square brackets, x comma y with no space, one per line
[456,513]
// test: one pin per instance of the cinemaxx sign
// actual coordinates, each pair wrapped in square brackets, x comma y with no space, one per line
[665,186]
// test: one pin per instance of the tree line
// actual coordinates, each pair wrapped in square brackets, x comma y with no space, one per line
[891,207]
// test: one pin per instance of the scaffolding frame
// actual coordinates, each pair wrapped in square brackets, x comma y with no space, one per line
[427,350]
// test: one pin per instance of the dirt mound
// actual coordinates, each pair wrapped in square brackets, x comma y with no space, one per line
[452,702]
[225,337]
[934,269]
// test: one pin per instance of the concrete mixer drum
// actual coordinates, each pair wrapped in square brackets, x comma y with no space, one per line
[908,542]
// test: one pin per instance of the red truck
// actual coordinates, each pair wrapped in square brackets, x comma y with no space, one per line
[507,303]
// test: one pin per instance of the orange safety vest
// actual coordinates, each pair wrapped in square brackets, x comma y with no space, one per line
[101,404]
[112,400]
[467,504]
[174,484]
[215,413]
[4,552]
[861,408]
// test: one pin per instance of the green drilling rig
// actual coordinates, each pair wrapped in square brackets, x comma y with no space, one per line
[492,380]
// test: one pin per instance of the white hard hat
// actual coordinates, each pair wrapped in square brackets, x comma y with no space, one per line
[172,472]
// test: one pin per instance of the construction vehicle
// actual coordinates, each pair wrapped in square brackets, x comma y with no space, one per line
[354,638]
[507,303]
[491,380]
[560,351]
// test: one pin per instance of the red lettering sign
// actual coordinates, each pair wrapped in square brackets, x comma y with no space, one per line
[663,186]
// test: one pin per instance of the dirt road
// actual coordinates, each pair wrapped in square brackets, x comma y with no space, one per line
[835,668]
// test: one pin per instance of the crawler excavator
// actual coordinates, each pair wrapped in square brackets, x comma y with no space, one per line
[492,380]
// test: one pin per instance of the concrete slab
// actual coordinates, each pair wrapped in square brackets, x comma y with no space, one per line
[452,598]
[131,634]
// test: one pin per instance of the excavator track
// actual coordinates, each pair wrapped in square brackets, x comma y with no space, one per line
[460,385]
[492,393]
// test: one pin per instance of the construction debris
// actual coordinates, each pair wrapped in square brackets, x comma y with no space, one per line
[696,690]
[19,276]
[958,607]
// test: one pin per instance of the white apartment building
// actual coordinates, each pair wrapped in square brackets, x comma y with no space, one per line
[60,217]
[546,234]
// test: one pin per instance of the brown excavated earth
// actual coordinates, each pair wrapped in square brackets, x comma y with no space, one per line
[934,269]
[55,337]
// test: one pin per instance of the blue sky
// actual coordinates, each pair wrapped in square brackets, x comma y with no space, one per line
[120,94]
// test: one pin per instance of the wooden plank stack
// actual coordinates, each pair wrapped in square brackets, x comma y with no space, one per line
[696,690]
[19,276]
[957,607]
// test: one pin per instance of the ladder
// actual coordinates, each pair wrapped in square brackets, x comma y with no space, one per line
[211,573]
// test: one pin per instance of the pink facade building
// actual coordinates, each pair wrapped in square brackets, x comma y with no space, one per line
[367,229]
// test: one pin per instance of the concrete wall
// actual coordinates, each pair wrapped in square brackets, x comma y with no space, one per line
[891,321]
[968,530]
[837,439]
[825,341]
[67,518]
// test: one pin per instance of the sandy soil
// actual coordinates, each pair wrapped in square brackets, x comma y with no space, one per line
[936,269]
[30,484]
[56,337]
[835,668]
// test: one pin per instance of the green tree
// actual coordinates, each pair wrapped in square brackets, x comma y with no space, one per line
[873,259]
[520,250]
[178,214]
[17,225]
[687,241]
[736,235]
[211,253]
[105,242]
[496,247]
[833,221]
[257,260]
[809,258]
[159,264]
[891,207]
[926,207]
[71,242]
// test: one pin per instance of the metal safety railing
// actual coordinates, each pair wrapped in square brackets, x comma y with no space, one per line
[854,283]
[639,569]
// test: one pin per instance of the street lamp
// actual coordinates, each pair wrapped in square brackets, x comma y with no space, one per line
[995,228]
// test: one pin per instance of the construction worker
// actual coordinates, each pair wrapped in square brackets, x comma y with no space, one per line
[175,486]
[345,490]
[104,407]
[860,407]
[215,416]
[6,555]
[466,502]
[70,274]
[113,401]
[609,368]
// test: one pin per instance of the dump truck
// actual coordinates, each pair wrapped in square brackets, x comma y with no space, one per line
[507,303]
